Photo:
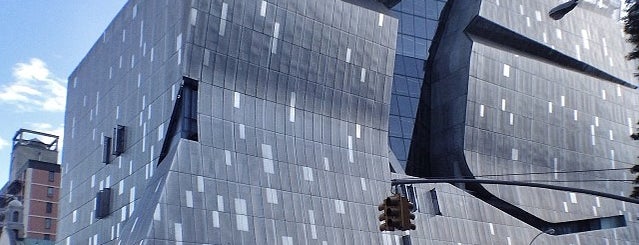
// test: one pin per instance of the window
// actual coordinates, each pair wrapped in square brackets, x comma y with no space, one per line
[433,199]
[49,207]
[106,149]
[103,203]
[50,191]
[47,223]
[51,176]
[47,237]
[189,109]
[119,140]
[183,121]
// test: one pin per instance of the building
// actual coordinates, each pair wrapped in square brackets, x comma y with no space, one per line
[508,92]
[418,22]
[207,121]
[267,122]
[34,184]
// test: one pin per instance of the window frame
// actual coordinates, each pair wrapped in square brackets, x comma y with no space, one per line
[47,223]
[51,176]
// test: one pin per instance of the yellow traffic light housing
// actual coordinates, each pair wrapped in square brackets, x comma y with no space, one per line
[391,213]
[407,215]
[396,214]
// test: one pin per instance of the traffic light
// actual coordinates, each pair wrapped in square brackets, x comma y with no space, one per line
[635,170]
[391,213]
[635,189]
[407,215]
[396,214]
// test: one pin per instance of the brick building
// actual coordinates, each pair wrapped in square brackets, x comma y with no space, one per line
[35,181]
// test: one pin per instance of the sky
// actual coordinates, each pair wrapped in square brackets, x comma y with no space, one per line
[42,42]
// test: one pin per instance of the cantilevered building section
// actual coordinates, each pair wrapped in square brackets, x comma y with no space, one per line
[243,122]
[510,92]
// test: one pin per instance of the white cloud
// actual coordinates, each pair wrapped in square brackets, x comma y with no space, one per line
[3,143]
[34,88]
[50,129]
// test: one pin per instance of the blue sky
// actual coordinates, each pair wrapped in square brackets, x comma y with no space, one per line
[42,41]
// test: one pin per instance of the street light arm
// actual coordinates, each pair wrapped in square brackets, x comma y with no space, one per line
[516,183]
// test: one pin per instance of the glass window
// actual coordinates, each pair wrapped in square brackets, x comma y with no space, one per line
[420,29]
[407,127]
[51,176]
[397,145]
[420,8]
[47,237]
[394,107]
[405,107]
[400,86]
[50,191]
[47,223]
[408,44]
[394,126]
[49,208]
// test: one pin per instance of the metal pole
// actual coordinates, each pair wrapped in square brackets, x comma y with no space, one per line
[516,183]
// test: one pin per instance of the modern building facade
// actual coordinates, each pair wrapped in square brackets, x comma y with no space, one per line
[418,22]
[509,92]
[269,122]
[248,122]
[34,183]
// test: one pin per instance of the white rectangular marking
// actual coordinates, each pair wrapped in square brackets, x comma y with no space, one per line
[225,10]
[227,157]
[200,184]
[263,9]
[178,232]
[573,197]
[242,131]
[268,166]
[362,75]
[291,113]
[236,100]
[276,30]
[189,199]
[220,203]
[240,206]
[506,71]
[271,196]
[216,219]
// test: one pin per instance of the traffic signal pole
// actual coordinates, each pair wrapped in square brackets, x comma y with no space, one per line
[395,182]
